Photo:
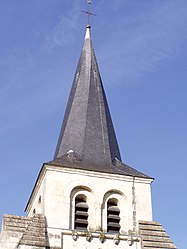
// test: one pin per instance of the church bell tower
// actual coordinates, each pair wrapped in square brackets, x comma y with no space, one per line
[86,197]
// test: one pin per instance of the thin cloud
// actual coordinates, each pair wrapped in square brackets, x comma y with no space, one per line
[153,38]
[116,4]
[28,109]
[64,30]
[27,94]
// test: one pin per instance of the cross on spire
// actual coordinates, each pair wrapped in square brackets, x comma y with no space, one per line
[89,13]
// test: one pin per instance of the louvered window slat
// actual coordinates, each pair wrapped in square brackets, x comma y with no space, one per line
[81,213]
[81,221]
[113,224]
[81,205]
[113,209]
[113,217]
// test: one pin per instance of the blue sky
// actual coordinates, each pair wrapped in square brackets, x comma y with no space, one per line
[141,48]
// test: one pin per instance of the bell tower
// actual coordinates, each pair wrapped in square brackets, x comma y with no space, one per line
[87,194]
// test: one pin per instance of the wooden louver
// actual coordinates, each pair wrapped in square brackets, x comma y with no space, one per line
[113,218]
[81,214]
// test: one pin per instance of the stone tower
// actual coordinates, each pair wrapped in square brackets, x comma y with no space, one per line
[86,197]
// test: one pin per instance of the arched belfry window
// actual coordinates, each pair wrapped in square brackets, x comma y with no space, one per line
[113,218]
[81,213]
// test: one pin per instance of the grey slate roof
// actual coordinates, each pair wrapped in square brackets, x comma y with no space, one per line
[72,160]
[87,130]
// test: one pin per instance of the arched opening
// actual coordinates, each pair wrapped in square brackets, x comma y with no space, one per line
[113,218]
[81,213]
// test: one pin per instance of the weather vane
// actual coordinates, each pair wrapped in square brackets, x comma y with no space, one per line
[89,13]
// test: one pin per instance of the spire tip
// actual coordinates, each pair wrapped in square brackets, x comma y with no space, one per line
[87,36]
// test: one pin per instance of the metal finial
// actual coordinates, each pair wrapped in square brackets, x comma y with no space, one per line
[89,13]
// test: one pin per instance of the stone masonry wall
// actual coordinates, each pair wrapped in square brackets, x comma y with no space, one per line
[23,232]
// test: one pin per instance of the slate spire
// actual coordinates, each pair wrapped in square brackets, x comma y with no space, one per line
[87,129]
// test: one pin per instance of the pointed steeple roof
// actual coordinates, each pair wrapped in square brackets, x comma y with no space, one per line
[87,128]
[87,139]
